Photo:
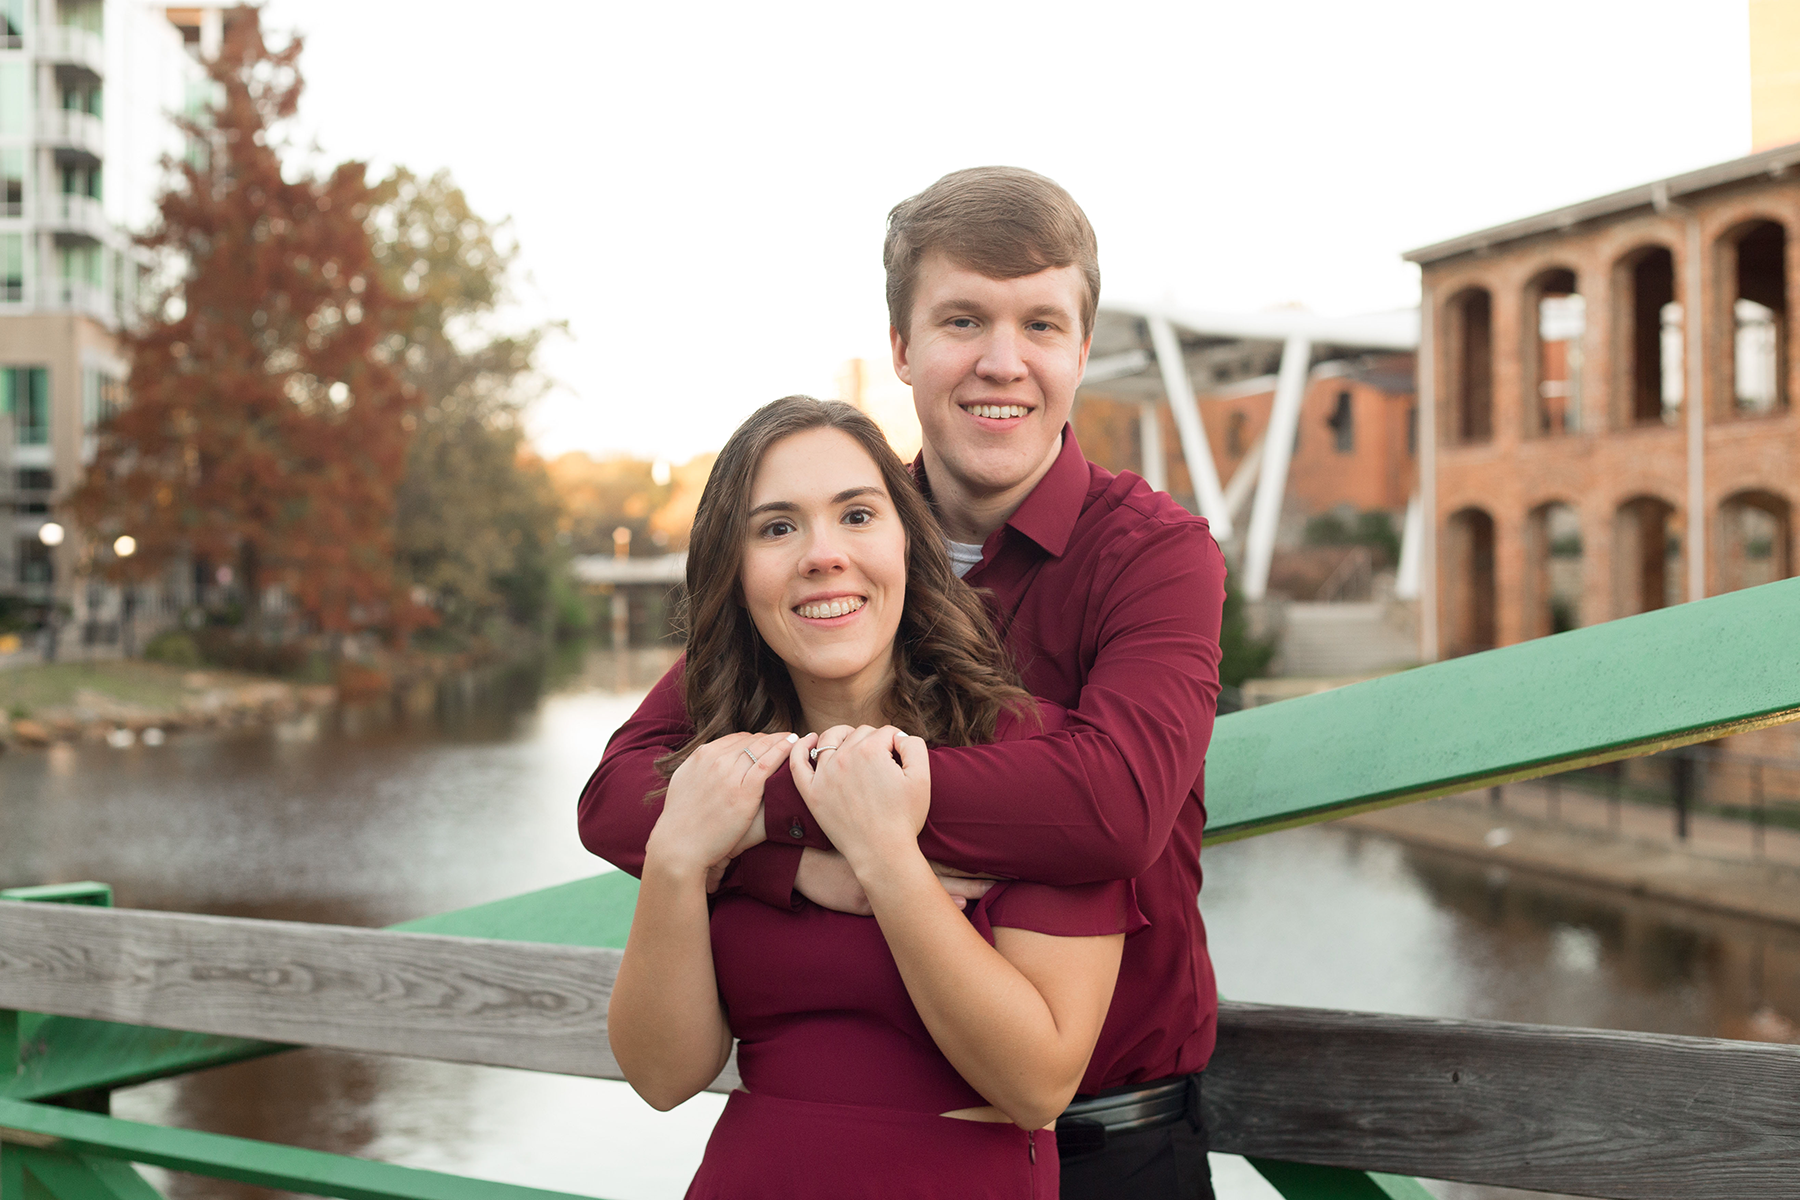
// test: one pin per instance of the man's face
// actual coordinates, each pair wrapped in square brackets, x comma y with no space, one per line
[993,365]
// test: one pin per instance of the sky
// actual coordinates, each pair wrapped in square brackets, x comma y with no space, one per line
[700,190]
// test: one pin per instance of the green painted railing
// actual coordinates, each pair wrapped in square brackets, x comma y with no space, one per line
[1669,678]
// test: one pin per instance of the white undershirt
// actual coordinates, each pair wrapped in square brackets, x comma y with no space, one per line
[963,556]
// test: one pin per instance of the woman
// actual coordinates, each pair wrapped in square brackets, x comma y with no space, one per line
[925,1052]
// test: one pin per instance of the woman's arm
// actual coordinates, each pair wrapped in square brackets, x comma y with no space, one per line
[665,1022]
[1018,1020]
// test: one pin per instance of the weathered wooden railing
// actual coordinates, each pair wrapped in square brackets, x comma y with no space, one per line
[1322,1102]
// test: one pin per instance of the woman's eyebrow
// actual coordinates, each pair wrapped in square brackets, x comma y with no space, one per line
[843,496]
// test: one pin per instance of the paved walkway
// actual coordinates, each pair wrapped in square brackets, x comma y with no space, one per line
[1573,834]
[1714,837]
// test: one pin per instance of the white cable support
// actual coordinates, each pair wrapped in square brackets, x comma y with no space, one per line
[1278,453]
[1194,450]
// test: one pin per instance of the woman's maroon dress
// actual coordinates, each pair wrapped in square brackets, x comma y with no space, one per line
[844,1084]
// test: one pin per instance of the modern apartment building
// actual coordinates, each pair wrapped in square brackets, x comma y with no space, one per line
[86,91]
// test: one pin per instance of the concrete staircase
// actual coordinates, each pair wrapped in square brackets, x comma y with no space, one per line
[1335,641]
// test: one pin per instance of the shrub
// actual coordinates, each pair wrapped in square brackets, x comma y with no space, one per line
[221,647]
[174,647]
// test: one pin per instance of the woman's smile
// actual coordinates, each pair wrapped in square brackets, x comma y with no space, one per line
[830,610]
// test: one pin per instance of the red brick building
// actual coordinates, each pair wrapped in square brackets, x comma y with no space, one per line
[1356,449]
[1357,443]
[1607,405]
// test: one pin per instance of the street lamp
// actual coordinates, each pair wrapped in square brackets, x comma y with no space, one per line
[125,546]
[51,534]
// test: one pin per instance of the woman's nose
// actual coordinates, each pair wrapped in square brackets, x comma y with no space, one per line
[824,553]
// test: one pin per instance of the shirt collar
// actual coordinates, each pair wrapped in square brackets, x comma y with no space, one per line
[1049,513]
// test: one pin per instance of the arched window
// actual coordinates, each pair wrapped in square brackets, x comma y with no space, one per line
[1646,556]
[1553,570]
[1553,353]
[1471,348]
[1470,611]
[1757,261]
[1651,383]
[1756,540]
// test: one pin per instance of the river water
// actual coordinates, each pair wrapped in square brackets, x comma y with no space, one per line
[369,818]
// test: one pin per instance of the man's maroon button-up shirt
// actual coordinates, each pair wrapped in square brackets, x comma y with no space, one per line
[1111,597]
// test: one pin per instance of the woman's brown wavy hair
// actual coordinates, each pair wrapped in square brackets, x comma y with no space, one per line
[952,675]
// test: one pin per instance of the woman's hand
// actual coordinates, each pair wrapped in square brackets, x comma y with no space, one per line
[712,801]
[867,803]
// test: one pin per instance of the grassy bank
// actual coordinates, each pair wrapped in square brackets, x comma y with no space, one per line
[28,690]
[45,702]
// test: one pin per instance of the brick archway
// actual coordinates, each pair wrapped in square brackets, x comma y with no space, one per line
[1647,556]
[1647,323]
[1555,320]
[1753,311]
[1471,606]
[1756,538]
[1554,569]
[1471,344]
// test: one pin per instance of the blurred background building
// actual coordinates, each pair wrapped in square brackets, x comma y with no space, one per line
[87,88]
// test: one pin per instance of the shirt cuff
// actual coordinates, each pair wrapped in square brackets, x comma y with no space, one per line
[786,819]
[766,872]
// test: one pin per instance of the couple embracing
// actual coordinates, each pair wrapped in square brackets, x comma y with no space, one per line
[918,817]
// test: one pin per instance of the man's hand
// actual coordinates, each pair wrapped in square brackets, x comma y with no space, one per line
[826,879]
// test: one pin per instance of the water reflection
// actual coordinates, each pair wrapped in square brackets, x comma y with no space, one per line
[1337,918]
[378,815]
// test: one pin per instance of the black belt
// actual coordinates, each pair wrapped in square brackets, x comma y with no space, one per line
[1087,1123]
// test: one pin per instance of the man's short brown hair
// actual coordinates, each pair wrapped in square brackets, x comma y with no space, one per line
[1005,222]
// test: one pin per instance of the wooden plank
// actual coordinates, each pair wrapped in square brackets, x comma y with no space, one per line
[1634,1116]
[311,1172]
[1680,675]
[64,1054]
[1631,1116]
[475,1000]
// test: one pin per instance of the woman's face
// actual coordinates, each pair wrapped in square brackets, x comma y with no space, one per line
[824,573]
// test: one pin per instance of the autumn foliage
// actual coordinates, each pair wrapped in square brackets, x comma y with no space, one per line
[269,421]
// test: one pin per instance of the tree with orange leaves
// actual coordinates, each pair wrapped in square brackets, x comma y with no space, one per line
[267,422]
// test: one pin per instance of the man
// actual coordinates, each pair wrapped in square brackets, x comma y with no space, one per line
[1110,597]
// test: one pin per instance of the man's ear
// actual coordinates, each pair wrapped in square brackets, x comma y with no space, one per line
[901,367]
[1087,343]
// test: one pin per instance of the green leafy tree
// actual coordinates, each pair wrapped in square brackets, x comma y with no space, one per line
[476,518]
[268,423]
[1243,656]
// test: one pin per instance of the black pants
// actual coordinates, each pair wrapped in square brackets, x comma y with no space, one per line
[1154,1164]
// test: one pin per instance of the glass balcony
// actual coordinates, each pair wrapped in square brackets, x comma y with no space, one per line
[66,45]
[74,213]
[71,129]
[78,295]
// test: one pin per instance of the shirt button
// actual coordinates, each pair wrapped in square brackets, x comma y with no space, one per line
[796,831]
